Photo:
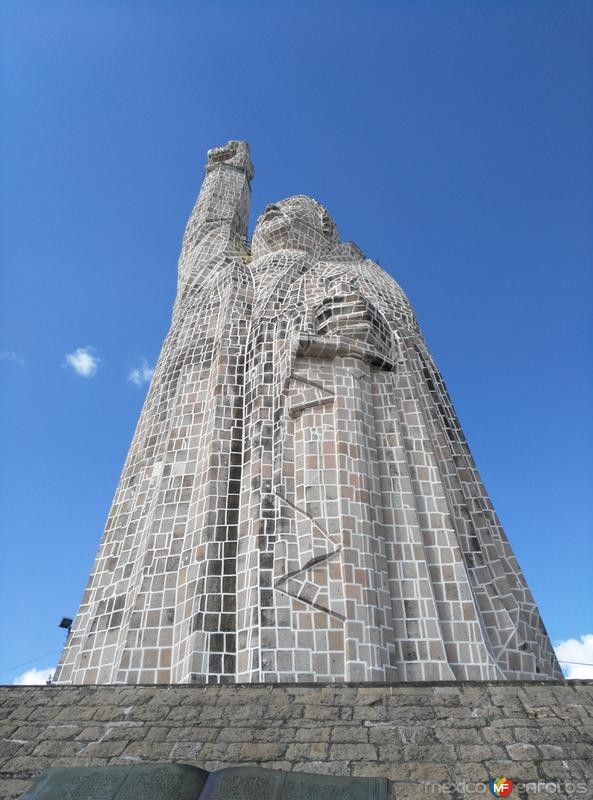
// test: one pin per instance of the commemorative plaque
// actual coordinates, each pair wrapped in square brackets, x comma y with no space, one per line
[184,782]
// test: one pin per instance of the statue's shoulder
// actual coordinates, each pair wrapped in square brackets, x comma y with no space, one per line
[349,258]
[346,252]
[349,255]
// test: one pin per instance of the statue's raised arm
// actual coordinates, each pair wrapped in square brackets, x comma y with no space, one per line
[218,223]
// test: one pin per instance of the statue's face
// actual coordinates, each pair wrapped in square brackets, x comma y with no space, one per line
[299,223]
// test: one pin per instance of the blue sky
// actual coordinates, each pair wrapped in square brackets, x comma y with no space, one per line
[452,141]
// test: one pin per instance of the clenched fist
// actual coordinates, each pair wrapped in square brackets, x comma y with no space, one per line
[233,153]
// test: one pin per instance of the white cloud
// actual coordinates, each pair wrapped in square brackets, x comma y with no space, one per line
[578,651]
[10,355]
[142,374]
[83,361]
[34,677]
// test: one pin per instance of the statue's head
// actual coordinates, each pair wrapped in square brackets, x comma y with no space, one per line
[298,223]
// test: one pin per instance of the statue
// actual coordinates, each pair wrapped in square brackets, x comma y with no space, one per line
[299,502]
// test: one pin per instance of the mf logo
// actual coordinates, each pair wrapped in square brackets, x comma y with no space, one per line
[501,787]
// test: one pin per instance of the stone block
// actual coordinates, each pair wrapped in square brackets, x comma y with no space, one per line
[312,734]
[105,749]
[353,752]
[480,752]
[312,751]
[350,733]
[263,751]
[330,767]
[522,752]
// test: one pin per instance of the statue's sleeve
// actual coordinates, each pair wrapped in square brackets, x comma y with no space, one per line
[217,226]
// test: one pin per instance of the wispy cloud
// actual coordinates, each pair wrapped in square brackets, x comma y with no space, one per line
[84,361]
[34,677]
[577,651]
[141,374]
[10,355]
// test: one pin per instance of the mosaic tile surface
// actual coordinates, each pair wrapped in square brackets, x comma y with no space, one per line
[299,502]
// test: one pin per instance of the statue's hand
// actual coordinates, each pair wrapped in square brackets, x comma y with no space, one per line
[235,153]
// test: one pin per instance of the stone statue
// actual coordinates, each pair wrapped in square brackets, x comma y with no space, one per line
[299,502]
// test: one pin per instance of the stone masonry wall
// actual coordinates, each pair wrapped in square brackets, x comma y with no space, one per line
[423,737]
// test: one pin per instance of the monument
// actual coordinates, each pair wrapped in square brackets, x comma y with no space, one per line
[299,503]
